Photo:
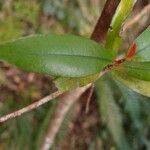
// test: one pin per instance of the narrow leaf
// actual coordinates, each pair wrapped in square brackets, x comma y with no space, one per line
[114,41]
[66,84]
[143,46]
[136,73]
[111,113]
[139,70]
[139,86]
[132,102]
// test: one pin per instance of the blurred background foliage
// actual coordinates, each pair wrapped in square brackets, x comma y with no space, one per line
[118,118]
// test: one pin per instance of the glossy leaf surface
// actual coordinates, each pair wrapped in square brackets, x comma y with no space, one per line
[65,84]
[143,46]
[139,67]
[139,86]
[139,70]
[136,73]
[57,55]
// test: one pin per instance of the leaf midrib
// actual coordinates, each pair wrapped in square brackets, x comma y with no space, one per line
[136,68]
[59,54]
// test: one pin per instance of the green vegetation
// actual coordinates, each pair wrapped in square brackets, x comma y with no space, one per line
[119,116]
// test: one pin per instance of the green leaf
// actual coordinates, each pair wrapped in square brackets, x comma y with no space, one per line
[65,84]
[139,70]
[139,67]
[139,86]
[57,55]
[132,102]
[111,113]
[143,46]
[114,40]
[136,73]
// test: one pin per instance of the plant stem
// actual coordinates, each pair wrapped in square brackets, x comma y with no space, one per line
[103,23]
[114,41]
[30,107]
[67,100]
[98,35]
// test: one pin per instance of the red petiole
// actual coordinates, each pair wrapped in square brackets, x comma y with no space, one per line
[131,53]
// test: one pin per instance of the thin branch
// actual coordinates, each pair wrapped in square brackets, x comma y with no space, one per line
[30,107]
[89,98]
[98,35]
[104,21]
[70,98]
[67,100]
